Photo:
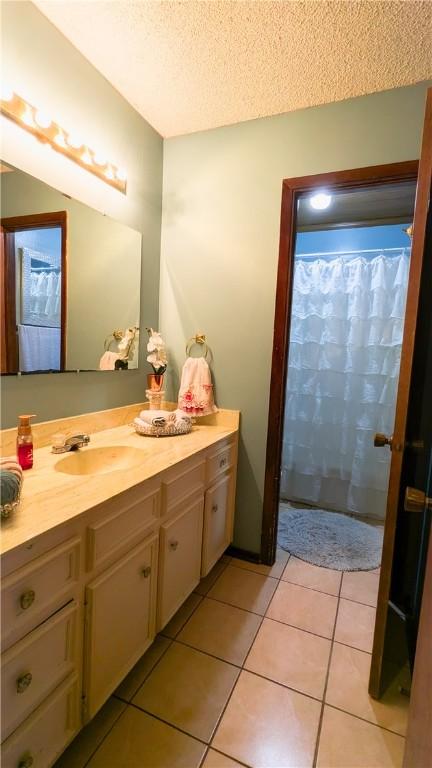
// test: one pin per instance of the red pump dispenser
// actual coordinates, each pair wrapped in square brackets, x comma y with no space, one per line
[25,442]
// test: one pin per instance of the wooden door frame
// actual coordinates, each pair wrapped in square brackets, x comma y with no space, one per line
[14,224]
[291,189]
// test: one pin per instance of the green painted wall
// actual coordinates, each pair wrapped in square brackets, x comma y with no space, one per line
[41,65]
[220,231]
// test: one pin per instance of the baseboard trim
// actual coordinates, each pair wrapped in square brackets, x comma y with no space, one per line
[243,554]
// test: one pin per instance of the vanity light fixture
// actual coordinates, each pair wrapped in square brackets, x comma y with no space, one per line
[40,125]
[320,201]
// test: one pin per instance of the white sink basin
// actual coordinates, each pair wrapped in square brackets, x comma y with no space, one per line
[100,461]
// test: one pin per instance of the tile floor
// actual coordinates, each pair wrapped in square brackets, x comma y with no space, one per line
[261,667]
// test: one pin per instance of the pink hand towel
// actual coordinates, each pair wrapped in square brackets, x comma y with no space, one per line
[196,388]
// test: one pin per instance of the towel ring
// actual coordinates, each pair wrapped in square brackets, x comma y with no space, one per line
[198,339]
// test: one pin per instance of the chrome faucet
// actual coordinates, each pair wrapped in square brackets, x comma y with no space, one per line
[71,443]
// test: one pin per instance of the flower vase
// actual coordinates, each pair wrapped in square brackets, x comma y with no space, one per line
[155,381]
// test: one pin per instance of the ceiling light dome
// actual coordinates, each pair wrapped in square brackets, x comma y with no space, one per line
[320,201]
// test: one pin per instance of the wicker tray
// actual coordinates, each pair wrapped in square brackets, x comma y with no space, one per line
[169,430]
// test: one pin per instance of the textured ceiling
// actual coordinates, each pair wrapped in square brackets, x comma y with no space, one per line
[192,65]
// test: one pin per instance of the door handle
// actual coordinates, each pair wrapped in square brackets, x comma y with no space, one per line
[416,501]
[381,440]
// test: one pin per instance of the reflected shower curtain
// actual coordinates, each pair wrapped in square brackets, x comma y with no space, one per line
[344,354]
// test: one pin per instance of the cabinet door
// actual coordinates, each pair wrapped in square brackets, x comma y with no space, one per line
[120,621]
[180,558]
[217,522]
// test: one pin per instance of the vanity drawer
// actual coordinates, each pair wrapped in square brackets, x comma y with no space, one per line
[120,528]
[181,482]
[218,461]
[33,592]
[47,732]
[35,665]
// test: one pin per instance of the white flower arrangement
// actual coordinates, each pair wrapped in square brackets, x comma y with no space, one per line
[157,357]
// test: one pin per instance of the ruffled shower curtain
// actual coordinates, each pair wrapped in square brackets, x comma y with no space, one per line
[344,354]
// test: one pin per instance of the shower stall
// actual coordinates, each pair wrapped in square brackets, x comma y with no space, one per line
[345,344]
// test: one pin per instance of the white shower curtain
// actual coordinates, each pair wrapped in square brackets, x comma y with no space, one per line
[343,368]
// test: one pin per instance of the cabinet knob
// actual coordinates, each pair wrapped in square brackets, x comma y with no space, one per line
[23,682]
[146,571]
[214,508]
[222,462]
[25,761]
[173,545]
[27,598]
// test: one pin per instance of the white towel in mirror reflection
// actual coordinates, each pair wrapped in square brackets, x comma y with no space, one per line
[108,361]
[39,348]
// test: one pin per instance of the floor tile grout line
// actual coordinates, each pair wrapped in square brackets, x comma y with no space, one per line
[242,669]
[221,752]
[320,721]
[364,720]
[128,701]
[166,722]
[224,602]
[207,653]
[294,626]
[358,602]
[87,762]
[249,570]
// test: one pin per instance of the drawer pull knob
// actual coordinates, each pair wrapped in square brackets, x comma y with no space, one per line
[146,571]
[23,682]
[215,508]
[222,462]
[27,598]
[26,761]
[173,545]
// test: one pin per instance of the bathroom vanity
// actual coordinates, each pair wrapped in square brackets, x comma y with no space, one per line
[103,551]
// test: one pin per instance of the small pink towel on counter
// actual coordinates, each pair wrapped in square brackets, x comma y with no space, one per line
[196,388]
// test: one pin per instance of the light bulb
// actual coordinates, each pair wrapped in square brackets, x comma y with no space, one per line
[7,93]
[121,174]
[27,117]
[60,140]
[43,120]
[320,201]
[86,157]
[74,141]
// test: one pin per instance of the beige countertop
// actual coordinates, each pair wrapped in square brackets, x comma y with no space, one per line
[50,498]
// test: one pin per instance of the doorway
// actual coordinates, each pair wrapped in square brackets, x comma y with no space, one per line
[33,276]
[344,244]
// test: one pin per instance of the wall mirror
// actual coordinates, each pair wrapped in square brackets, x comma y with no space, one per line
[69,279]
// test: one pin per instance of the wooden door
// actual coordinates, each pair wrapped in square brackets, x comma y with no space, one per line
[120,622]
[9,342]
[405,533]
[419,735]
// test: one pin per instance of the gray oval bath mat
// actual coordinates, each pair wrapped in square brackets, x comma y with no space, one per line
[329,539]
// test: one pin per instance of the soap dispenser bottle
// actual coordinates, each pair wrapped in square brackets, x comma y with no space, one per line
[25,442]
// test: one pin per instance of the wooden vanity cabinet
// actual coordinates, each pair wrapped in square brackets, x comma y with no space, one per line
[120,608]
[83,602]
